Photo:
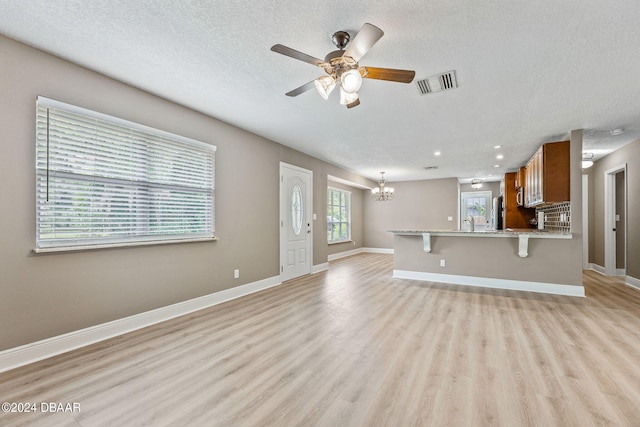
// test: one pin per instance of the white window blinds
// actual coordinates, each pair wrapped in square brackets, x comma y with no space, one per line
[102,181]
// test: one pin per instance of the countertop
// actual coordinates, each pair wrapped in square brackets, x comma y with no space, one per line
[523,235]
[515,232]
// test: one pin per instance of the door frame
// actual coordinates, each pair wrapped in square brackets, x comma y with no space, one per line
[609,217]
[480,193]
[309,213]
[585,222]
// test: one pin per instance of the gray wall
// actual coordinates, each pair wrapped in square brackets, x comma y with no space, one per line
[489,257]
[48,295]
[417,204]
[629,154]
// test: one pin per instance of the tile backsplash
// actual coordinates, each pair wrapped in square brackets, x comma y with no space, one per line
[557,217]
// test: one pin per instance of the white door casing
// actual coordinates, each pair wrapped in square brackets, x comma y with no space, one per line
[296,235]
[610,218]
[585,222]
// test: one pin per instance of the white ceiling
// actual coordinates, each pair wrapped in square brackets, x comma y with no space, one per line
[528,72]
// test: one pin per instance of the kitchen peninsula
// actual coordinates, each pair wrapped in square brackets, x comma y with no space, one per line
[520,259]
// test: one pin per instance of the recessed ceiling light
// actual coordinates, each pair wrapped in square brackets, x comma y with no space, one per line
[499,157]
[496,166]
[617,131]
[497,146]
[436,153]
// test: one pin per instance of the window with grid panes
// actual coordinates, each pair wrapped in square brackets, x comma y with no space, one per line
[338,215]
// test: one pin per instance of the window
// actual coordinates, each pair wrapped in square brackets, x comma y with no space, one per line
[338,215]
[103,181]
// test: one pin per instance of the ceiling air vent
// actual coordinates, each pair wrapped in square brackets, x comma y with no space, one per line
[438,82]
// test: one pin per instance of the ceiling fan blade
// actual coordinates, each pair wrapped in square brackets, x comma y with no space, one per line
[401,76]
[366,37]
[302,89]
[292,53]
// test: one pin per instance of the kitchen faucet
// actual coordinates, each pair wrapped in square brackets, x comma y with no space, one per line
[471,223]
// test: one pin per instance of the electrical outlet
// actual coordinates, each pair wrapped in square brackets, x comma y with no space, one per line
[236,274]
[443,263]
[449,218]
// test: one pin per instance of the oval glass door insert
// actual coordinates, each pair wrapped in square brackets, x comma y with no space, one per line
[296,209]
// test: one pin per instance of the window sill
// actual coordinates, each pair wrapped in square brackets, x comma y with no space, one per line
[120,245]
[338,242]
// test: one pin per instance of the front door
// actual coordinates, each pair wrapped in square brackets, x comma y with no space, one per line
[295,221]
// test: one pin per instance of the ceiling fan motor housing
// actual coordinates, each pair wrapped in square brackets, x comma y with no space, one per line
[338,62]
[341,39]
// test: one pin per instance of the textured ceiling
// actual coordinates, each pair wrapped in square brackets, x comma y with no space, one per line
[528,72]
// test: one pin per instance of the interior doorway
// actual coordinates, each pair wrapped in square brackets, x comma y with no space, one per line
[615,220]
[585,222]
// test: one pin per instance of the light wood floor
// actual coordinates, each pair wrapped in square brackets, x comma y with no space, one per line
[355,347]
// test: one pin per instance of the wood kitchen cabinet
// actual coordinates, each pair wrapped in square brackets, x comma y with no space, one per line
[514,216]
[547,175]
[520,177]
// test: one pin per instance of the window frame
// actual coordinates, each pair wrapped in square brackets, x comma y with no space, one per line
[164,198]
[346,206]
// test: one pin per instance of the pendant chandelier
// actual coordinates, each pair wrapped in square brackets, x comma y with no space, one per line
[382,193]
[476,183]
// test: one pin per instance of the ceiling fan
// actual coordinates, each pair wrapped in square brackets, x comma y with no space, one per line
[342,66]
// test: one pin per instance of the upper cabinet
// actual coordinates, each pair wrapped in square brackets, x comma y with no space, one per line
[547,175]
[520,177]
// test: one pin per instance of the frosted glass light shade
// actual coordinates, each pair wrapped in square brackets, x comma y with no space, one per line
[351,81]
[324,86]
[347,98]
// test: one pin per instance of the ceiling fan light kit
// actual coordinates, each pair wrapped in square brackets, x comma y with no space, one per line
[351,81]
[342,66]
[347,98]
[324,86]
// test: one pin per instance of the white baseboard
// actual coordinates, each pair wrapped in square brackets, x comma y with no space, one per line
[344,254]
[319,267]
[39,350]
[598,268]
[516,285]
[378,250]
[632,282]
